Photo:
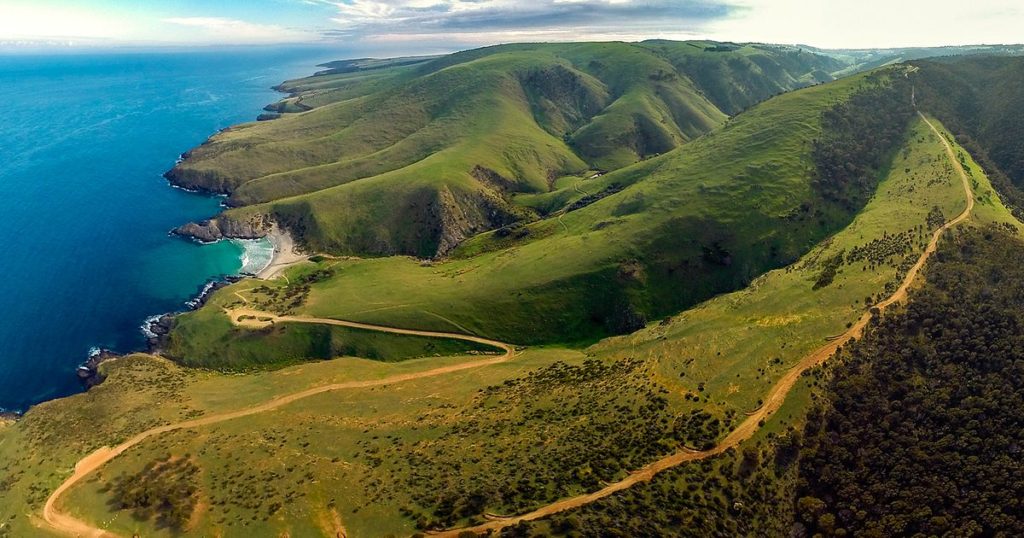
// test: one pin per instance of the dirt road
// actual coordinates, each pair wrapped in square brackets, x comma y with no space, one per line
[772,402]
[71,526]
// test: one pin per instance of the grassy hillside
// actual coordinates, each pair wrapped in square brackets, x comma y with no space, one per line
[649,240]
[445,450]
[415,156]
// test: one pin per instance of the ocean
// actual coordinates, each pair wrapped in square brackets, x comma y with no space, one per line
[85,212]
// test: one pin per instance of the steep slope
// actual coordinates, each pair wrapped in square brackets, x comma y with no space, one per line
[650,240]
[413,157]
[982,100]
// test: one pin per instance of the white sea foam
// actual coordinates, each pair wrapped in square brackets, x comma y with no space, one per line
[198,300]
[146,326]
[256,255]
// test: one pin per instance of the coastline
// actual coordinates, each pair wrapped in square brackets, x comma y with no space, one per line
[156,328]
[285,254]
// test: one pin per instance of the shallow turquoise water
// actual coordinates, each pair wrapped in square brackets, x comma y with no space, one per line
[85,210]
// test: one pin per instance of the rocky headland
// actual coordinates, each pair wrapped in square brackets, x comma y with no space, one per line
[222,227]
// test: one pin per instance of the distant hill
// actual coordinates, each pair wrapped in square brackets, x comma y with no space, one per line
[413,156]
[863,59]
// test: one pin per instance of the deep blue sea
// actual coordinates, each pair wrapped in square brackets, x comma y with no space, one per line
[84,211]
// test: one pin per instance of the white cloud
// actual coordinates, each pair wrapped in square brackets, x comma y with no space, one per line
[26,21]
[873,23]
[464,23]
[825,23]
[224,30]
[490,21]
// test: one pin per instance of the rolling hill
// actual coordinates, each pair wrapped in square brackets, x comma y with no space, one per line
[635,244]
[451,139]
[445,442]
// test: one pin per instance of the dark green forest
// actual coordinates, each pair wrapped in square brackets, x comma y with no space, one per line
[925,429]
[917,429]
[981,100]
[858,142]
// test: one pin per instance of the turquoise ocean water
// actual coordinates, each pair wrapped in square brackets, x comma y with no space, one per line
[85,212]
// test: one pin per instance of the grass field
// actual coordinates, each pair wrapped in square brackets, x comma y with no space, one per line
[445,450]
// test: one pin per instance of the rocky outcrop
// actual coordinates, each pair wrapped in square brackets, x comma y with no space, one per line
[224,227]
[460,216]
[89,372]
[156,330]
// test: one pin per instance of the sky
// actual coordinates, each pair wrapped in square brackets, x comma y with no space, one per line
[428,26]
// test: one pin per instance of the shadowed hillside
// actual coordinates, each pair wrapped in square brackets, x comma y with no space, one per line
[982,100]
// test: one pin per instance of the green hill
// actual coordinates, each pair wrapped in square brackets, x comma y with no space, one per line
[730,313]
[415,156]
[636,244]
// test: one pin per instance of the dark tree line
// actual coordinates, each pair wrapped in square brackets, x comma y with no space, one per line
[980,99]
[858,140]
[924,434]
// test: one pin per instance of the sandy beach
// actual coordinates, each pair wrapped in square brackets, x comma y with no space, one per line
[285,254]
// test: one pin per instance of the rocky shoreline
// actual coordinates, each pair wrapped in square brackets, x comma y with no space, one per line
[156,329]
[89,371]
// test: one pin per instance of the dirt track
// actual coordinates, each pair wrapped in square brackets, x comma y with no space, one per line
[69,525]
[772,402]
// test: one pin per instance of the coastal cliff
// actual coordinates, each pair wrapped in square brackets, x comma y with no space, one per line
[225,227]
